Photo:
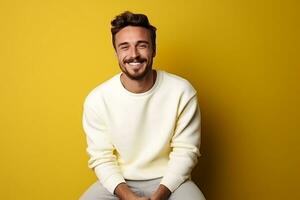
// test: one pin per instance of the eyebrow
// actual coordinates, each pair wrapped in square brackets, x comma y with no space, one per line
[138,42]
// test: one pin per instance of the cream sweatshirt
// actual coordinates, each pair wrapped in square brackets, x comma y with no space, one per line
[141,136]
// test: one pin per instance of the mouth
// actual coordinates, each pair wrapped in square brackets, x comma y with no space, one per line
[135,63]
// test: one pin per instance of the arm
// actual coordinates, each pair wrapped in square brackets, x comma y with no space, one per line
[185,144]
[102,158]
[100,148]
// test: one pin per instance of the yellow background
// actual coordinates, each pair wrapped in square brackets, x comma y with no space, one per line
[241,56]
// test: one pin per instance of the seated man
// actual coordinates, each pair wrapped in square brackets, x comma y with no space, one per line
[142,125]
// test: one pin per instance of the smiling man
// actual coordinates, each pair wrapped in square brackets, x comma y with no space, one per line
[142,125]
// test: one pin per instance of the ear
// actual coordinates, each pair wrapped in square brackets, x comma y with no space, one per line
[115,51]
[154,54]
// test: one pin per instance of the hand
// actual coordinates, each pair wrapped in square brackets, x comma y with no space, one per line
[143,198]
[125,193]
[162,193]
[158,198]
[137,198]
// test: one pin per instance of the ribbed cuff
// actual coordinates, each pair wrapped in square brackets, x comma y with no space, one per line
[112,182]
[171,181]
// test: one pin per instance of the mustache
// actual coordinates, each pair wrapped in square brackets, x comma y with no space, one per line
[137,59]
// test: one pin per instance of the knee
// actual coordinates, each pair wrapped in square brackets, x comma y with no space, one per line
[97,192]
[188,191]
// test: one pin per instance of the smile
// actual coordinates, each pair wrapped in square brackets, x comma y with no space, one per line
[135,63]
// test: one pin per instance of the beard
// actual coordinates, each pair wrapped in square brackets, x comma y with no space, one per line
[136,76]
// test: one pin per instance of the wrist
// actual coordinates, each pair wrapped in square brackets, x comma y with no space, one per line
[162,193]
[124,192]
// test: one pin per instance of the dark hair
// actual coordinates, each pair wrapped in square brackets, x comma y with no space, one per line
[130,19]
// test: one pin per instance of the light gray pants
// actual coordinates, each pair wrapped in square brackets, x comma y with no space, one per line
[187,190]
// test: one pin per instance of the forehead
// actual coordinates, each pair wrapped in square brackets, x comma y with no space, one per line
[132,34]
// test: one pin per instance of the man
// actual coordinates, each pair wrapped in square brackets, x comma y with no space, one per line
[142,125]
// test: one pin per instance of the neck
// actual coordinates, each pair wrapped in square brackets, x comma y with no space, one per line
[139,86]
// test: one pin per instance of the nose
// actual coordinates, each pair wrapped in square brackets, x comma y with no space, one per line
[134,52]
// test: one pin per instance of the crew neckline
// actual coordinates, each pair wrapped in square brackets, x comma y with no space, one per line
[151,90]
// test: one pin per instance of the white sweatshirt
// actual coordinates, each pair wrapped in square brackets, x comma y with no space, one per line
[141,136]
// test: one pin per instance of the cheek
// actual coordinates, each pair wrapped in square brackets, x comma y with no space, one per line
[149,53]
[146,54]
[120,56]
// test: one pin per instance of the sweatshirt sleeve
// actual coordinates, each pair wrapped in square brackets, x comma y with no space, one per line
[185,144]
[100,148]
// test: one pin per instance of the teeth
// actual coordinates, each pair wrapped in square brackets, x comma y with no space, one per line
[134,63]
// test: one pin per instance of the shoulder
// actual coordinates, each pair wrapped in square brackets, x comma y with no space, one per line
[95,96]
[178,83]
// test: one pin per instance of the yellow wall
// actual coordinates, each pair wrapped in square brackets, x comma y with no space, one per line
[242,57]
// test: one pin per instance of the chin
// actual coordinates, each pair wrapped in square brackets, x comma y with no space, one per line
[137,75]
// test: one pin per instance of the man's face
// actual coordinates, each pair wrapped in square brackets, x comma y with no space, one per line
[134,51]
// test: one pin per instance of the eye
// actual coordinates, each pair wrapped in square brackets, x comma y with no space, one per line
[143,46]
[124,47]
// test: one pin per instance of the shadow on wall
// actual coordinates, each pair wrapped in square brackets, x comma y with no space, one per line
[205,173]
